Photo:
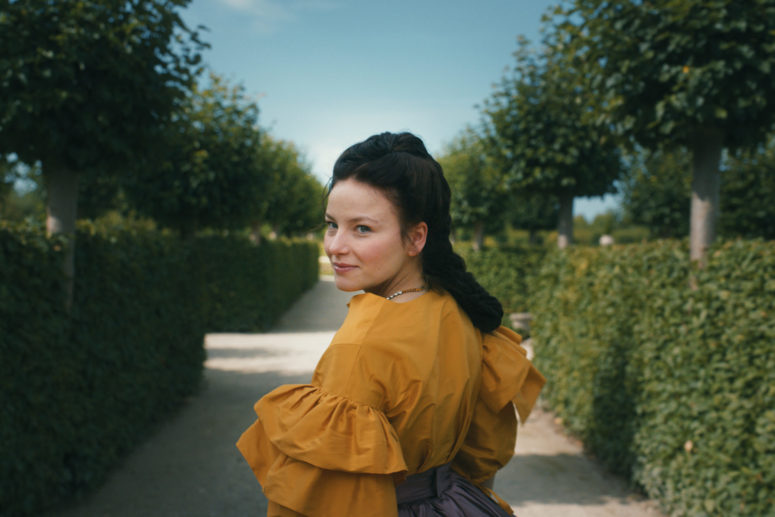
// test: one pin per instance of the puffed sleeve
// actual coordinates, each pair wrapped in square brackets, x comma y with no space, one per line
[327,448]
[510,386]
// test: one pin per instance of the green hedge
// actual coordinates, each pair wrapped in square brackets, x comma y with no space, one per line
[247,288]
[671,385]
[505,272]
[81,390]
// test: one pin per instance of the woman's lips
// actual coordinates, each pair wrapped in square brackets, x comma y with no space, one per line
[343,268]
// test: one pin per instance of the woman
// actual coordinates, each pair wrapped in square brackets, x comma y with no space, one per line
[410,410]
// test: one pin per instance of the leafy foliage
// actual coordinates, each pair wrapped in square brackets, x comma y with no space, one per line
[294,198]
[209,174]
[532,211]
[86,84]
[245,287]
[748,188]
[666,68]
[505,273]
[539,132]
[477,186]
[657,192]
[692,73]
[672,386]
[541,136]
[78,391]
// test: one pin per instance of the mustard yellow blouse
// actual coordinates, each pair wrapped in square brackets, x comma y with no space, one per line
[403,387]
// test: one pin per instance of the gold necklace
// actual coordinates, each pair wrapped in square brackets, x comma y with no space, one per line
[404,291]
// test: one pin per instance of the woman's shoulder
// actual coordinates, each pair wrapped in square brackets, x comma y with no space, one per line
[373,319]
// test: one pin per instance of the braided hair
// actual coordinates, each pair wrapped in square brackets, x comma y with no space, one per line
[399,165]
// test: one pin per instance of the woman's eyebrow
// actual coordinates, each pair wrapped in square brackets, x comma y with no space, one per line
[356,219]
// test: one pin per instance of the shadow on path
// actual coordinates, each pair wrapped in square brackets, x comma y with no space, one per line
[551,477]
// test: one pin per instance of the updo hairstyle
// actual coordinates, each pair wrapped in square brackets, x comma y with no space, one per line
[400,167]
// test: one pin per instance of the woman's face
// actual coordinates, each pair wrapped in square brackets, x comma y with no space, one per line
[364,243]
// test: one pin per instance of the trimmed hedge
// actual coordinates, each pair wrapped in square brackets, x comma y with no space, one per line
[247,288]
[35,369]
[79,391]
[669,385]
[504,272]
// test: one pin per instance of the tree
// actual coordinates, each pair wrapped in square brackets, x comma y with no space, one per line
[478,195]
[8,176]
[532,212]
[747,193]
[21,197]
[540,133]
[209,174]
[657,192]
[85,85]
[294,203]
[694,73]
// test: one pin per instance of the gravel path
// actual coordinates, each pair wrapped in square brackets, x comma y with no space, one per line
[191,468]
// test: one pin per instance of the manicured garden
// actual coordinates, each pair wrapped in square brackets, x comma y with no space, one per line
[81,388]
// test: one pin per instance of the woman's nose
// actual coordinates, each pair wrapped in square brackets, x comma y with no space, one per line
[335,244]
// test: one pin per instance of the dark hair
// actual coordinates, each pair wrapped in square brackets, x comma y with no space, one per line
[399,165]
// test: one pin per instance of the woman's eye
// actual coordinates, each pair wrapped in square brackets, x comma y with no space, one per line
[362,229]
[330,225]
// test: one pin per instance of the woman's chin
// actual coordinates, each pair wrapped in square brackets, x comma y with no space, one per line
[344,285]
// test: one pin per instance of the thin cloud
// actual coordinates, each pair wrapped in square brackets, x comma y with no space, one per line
[269,15]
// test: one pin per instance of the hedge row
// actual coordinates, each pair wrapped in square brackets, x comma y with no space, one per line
[504,272]
[79,391]
[669,384]
[247,288]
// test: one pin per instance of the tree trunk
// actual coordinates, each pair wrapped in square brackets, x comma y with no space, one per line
[533,237]
[565,221]
[61,210]
[706,181]
[478,235]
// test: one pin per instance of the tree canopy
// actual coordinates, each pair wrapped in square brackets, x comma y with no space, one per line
[657,192]
[668,68]
[696,73]
[86,83]
[747,193]
[294,200]
[209,173]
[541,136]
[478,195]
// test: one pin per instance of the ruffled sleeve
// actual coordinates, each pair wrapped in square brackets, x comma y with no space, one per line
[509,382]
[315,452]
[327,448]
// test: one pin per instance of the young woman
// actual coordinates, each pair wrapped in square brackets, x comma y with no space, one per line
[411,409]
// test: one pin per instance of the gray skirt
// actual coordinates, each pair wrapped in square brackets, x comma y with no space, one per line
[442,492]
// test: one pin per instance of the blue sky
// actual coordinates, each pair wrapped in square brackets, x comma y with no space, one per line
[329,73]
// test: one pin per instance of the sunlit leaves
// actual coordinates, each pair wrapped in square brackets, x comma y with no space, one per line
[293,201]
[207,173]
[477,185]
[540,125]
[665,67]
[670,385]
[86,83]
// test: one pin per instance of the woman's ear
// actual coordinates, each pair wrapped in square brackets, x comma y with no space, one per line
[417,235]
